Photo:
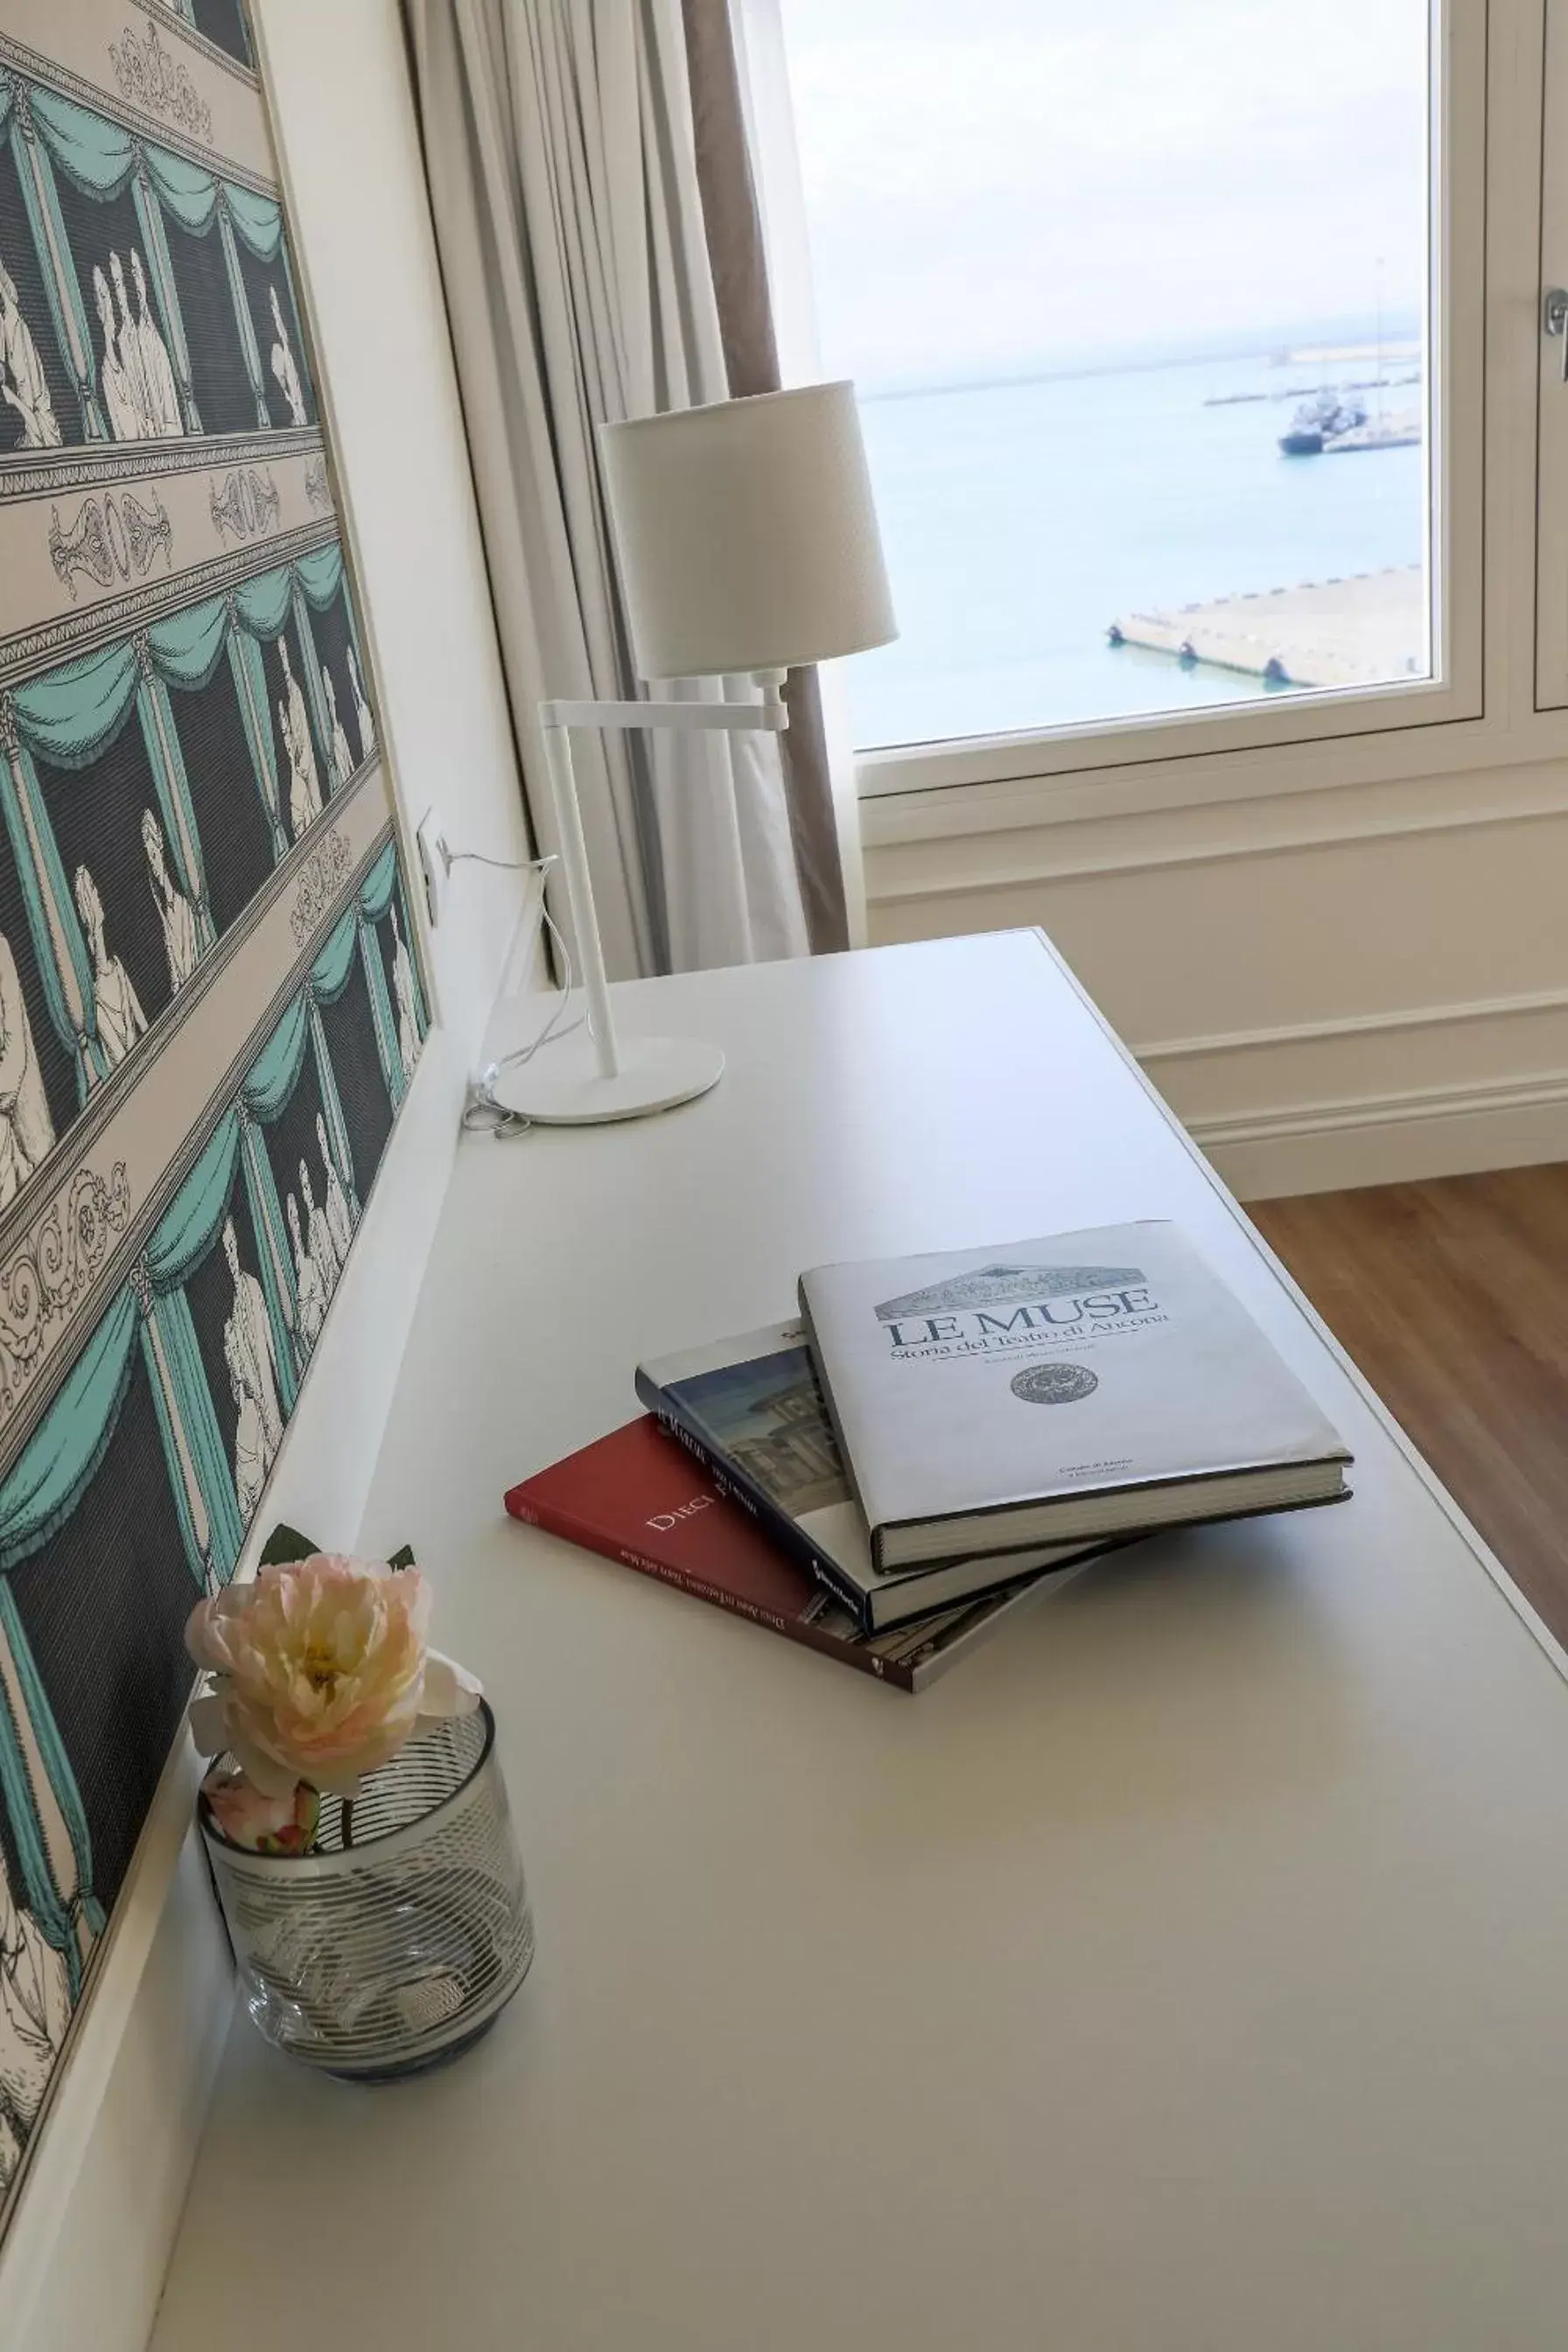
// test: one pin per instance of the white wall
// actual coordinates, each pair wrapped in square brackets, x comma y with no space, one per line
[1329,987]
[84,2259]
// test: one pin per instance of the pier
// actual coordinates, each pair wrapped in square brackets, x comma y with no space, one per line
[1361,631]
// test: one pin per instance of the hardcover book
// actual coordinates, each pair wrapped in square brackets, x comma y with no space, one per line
[638,1497]
[752,1412]
[1085,1386]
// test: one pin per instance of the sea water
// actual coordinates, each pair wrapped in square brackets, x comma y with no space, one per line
[1020,519]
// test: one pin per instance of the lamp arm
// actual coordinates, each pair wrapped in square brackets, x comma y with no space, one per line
[556,719]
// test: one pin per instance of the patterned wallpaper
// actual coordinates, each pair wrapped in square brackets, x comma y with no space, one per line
[210,1006]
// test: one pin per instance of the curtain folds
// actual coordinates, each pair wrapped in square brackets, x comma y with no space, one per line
[329,972]
[69,1443]
[381,1014]
[250,686]
[380,885]
[71,715]
[41,203]
[321,574]
[732,223]
[47,1818]
[560,151]
[65,966]
[99,157]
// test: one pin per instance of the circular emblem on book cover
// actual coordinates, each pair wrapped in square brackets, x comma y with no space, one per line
[1055,1383]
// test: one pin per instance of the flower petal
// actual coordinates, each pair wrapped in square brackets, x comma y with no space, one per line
[263,1771]
[449,1688]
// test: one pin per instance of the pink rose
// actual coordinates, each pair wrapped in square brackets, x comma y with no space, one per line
[320,1671]
[261,1824]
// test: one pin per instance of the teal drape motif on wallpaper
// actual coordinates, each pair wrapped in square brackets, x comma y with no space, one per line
[383,886]
[194,1446]
[268,1087]
[149,219]
[64,964]
[375,898]
[250,686]
[69,716]
[329,977]
[69,1443]
[43,1803]
[151,1315]
[41,201]
[36,1784]
[51,132]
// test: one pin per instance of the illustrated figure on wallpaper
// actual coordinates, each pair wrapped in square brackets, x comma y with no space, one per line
[334,1200]
[163,399]
[308,1283]
[35,2012]
[134,359]
[319,1235]
[113,378]
[250,1328]
[175,912]
[343,758]
[251,1459]
[23,385]
[304,784]
[285,372]
[27,1129]
[120,1020]
[403,990]
[366,724]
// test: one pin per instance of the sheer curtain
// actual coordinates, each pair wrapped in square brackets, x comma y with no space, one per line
[561,155]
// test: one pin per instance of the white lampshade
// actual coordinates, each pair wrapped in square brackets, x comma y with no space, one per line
[746,534]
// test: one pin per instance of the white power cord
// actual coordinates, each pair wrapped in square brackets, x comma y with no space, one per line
[482,1114]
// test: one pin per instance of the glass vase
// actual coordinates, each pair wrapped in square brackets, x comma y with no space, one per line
[399,1939]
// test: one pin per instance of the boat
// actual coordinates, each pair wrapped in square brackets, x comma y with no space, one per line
[1332,425]
[1321,421]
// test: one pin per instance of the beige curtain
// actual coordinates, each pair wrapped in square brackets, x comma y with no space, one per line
[561,156]
[732,218]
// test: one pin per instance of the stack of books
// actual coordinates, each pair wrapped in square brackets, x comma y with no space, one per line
[937,1440]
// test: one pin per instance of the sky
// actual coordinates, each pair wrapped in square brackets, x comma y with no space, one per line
[996,187]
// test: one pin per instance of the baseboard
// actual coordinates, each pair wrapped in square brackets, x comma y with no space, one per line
[1393,1139]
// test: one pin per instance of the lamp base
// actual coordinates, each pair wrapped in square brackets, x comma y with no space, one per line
[563,1087]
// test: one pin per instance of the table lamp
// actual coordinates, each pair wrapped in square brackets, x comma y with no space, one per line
[746,540]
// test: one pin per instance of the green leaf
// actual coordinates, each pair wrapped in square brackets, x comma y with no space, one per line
[403,1558]
[284,1546]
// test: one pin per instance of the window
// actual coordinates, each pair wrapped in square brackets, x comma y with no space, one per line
[1151,311]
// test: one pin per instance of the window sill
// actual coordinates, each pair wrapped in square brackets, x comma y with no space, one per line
[896,809]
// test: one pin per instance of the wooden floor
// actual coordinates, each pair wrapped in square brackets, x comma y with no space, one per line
[1452,1297]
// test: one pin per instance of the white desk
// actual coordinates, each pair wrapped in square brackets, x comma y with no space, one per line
[1188,1972]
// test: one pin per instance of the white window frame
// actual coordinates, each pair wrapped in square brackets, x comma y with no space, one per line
[1482,385]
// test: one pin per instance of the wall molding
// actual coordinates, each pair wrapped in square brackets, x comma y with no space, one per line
[1396,1138]
[1354,1024]
[1087,849]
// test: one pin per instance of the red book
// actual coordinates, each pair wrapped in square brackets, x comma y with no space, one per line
[637,1495]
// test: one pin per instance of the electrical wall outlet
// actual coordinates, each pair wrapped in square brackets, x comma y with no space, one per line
[435,864]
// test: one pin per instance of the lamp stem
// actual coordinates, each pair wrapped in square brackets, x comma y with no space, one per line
[580,892]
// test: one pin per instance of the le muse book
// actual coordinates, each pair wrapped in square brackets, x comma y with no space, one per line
[1081,1387]
[638,1497]
[752,1412]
